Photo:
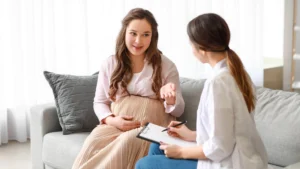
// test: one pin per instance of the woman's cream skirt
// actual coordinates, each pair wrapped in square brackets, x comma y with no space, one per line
[109,148]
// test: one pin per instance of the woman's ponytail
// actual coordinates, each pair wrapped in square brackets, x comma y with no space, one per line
[242,78]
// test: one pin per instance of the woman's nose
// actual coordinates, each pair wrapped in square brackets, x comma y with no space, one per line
[138,39]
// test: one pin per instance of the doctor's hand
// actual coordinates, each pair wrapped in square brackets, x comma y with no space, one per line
[181,131]
[171,151]
[168,92]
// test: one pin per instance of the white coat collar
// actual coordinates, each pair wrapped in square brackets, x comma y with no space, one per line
[220,65]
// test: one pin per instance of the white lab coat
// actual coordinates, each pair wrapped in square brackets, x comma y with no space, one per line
[224,126]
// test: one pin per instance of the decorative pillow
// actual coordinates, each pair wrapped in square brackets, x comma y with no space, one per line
[74,97]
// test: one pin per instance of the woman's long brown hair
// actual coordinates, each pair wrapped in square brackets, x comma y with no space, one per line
[210,32]
[123,72]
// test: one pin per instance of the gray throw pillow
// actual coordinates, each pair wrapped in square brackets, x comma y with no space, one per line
[74,101]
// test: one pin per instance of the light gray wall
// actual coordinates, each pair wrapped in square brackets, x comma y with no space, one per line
[297,63]
[297,70]
[288,43]
[298,11]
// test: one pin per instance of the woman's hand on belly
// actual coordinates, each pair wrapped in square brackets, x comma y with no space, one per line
[123,122]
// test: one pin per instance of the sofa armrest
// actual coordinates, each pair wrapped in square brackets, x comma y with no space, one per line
[43,120]
[293,166]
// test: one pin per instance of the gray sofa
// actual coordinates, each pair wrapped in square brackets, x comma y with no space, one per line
[277,117]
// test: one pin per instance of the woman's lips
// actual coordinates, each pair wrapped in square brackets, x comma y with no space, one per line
[137,47]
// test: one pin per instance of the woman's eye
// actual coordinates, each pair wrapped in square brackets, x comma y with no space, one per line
[146,35]
[133,33]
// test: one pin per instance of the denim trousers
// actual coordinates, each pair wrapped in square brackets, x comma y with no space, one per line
[156,159]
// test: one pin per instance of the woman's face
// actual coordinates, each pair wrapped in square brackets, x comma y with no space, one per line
[138,37]
[199,54]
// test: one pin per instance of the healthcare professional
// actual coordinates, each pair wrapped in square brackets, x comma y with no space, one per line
[226,134]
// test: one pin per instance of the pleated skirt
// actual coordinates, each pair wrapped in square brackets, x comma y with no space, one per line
[110,148]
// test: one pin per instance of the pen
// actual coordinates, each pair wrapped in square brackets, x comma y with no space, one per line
[174,126]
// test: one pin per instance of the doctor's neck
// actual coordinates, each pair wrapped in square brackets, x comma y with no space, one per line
[215,57]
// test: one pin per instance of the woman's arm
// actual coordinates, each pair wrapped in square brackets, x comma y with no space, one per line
[181,132]
[220,119]
[101,101]
[193,136]
[171,75]
[174,151]
[193,153]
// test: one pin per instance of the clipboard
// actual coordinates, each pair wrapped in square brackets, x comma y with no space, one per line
[153,133]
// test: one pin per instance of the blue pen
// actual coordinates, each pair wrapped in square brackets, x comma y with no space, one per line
[174,126]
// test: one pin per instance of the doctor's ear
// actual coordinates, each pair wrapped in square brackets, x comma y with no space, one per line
[201,52]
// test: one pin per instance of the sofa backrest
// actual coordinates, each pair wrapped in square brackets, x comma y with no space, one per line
[191,92]
[277,117]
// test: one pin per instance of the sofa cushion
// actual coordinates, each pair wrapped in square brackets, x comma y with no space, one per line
[277,117]
[274,167]
[60,151]
[191,93]
[49,167]
[74,101]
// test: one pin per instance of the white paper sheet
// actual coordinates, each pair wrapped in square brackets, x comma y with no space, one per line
[154,133]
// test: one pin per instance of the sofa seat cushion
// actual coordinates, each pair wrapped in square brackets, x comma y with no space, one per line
[293,166]
[270,166]
[277,117]
[60,151]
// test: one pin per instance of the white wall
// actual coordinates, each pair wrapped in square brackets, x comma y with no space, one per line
[288,36]
[297,63]
[273,28]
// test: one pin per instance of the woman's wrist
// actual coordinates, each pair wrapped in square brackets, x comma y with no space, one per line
[193,136]
[172,102]
[183,153]
[108,120]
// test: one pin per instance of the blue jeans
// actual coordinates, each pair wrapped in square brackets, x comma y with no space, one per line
[156,159]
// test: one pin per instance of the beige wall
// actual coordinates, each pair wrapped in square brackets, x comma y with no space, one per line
[273,77]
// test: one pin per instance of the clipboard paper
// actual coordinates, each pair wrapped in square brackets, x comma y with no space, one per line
[153,133]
